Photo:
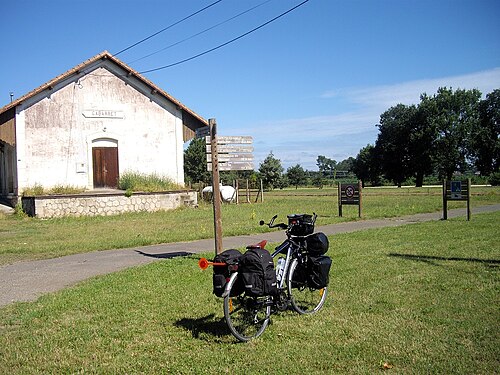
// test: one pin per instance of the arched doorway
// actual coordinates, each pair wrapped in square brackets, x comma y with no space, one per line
[105,163]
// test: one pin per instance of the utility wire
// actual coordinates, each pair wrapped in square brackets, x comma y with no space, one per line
[166,28]
[226,43]
[201,32]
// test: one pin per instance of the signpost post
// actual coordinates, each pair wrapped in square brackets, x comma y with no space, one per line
[216,187]
[227,153]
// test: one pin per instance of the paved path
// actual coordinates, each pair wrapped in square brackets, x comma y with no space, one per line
[26,281]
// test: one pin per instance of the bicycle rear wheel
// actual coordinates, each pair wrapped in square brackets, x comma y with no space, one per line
[304,300]
[247,317]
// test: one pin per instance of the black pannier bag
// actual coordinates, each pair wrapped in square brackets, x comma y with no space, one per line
[300,275]
[257,273]
[221,273]
[317,244]
[319,269]
[300,224]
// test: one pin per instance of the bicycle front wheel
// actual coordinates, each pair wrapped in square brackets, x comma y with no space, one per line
[247,317]
[304,300]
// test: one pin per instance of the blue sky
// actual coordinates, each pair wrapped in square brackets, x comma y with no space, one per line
[311,83]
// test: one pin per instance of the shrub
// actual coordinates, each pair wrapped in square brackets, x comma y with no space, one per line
[37,190]
[494,178]
[34,190]
[135,181]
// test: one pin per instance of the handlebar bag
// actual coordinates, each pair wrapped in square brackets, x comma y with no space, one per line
[221,273]
[319,270]
[317,244]
[257,273]
[300,224]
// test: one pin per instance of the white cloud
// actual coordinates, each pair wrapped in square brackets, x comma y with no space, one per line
[301,140]
[409,92]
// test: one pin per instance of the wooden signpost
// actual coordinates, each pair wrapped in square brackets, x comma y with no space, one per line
[216,187]
[456,191]
[234,153]
[229,153]
[350,194]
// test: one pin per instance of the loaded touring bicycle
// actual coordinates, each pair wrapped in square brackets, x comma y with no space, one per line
[253,288]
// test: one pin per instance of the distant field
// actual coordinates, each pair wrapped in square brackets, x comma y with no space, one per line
[29,238]
[416,299]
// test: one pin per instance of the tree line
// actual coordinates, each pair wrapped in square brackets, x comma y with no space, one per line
[449,132]
[270,171]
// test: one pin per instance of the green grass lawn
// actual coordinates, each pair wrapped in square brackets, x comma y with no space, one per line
[31,238]
[421,298]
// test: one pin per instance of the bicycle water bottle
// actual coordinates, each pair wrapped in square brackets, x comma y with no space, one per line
[280,268]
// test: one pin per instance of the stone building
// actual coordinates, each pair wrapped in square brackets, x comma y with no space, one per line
[89,125]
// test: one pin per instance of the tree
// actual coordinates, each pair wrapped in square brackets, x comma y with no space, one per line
[452,115]
[296,176]
[422,136]
[393,142]
[366,166]
[485,141]
[271,171]
[346,164]
[195,162]
[325,165]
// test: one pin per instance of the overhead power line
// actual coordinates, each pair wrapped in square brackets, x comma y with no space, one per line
[166,28]
[226,43]
[201,32]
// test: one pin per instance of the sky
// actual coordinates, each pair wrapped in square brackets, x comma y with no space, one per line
[313,82]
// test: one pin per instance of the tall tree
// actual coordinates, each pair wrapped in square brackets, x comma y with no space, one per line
[195,162]
[485,138]
[296,176]
[271,171]
[346,164]
[367,167]
[453,115]
[421,139]
[326,165]
[393,142]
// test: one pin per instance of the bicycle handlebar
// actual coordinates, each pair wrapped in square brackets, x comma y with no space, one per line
[283,225]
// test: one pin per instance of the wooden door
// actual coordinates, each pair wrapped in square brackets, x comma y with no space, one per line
[105,163]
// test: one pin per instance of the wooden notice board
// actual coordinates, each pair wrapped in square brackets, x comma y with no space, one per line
[456,190]
[349,194]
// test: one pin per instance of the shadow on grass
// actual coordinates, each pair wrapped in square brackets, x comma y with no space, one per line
[430,259]
[208,325]
[166,255]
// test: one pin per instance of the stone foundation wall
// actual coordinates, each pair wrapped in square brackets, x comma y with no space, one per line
[105,204]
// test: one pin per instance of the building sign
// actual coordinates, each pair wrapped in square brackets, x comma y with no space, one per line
[102,113]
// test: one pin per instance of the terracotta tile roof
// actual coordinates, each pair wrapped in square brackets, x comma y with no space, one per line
[104,55]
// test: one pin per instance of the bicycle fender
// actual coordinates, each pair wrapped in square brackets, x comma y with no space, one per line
[229,284]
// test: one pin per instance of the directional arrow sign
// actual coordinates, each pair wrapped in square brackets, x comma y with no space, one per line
[232,166]
[232,157]
[238,139]
[234,153]
[231,148]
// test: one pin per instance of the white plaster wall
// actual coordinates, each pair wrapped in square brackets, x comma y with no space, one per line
[58,137]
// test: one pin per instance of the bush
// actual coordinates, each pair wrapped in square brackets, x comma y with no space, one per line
[37,190]
[494,178]
[135,181]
